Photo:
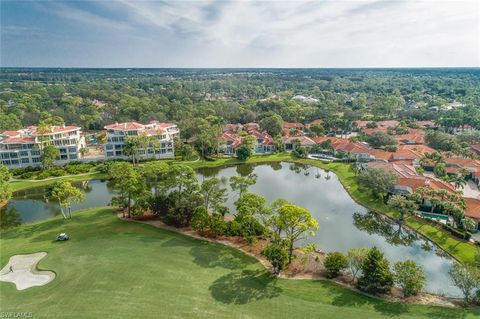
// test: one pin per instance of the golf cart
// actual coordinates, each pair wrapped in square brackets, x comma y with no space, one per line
[63,237]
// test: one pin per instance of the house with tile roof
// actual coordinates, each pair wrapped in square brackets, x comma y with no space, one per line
[473,210]
[23,148]
[290,141]
[118,132]
[232,140]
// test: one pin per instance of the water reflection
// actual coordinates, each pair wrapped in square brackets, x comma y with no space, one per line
[393,232]
[9,217]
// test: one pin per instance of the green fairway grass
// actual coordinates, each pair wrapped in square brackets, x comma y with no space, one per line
[112,268]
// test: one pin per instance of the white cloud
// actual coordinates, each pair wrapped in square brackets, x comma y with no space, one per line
[288,33]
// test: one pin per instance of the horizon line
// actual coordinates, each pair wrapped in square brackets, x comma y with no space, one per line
[242,67]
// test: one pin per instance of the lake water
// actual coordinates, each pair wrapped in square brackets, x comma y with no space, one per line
[343,223]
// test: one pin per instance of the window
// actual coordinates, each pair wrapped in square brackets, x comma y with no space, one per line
[35,153]
[36,160]
[63,150]
[73,156]
[25,161]
[118,153]
[7,162]
[72,149]
[109,147]
[109,154]
[23,153]
[14,162]
[63,157]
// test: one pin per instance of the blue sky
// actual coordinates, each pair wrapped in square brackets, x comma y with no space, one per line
[320,33]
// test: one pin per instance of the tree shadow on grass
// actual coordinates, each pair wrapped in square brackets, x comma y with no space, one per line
[343,299]
[209,255]
[244,287]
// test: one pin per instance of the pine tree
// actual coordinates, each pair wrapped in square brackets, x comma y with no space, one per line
[376,275]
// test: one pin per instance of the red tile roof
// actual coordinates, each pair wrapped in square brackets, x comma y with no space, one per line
[425,123]
[20,139]
[418,148]
[126,126]
[473,208]
[162,125]
[10,133]
[316,122]
[290,125]
[304,140]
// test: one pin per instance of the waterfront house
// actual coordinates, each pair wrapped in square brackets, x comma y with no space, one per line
[118,132]
[23,148]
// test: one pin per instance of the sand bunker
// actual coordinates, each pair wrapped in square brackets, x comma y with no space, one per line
[22,271]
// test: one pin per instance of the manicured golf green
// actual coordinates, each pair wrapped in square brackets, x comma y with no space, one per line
[112,268]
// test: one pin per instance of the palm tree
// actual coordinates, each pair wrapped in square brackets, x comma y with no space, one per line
[459,182]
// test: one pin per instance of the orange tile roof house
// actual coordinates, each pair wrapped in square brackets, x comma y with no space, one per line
[288,142]
[473,210]
[21,148]
[293,125]
[118,132]
[414,136]
[264,145]
[420,148]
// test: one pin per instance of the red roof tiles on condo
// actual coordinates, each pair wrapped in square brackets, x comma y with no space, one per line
[126,126]
[19,140]
[10,133]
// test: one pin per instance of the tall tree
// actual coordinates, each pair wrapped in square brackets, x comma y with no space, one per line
[213,195]
[128,184]
[156,173]
[403,205]
[466,278]
[378,180]
[356,257]
[49,154]
[65,193]
[241,184]
[5,189]
[183,177]
[296,223]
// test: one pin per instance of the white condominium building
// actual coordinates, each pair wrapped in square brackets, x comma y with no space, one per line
[118,132]
[22,148]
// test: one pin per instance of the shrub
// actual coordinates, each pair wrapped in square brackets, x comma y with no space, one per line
[376,275]
[243,153]
[334,263]
[218,225]
[200,220]
[277,255]
[410,277]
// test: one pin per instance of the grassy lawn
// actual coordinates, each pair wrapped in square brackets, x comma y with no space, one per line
[21,185]
[111,268]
